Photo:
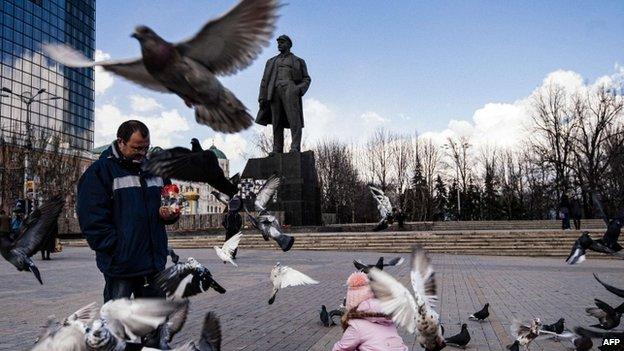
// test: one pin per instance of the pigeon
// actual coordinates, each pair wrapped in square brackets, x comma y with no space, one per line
[196,145]
[482,314]
[284,276]
[616,291]
[460,340]
[514,347]
[608,316]
[578,342]
[188,69]
[124,321]
[192,166]
[225,252]
[69,335]
[265,222]
[32,233]
[324,316]
[385,208]
[412,312]
[163,336]
[526,332]
[187,279]
[334,313]
[557,327]
[397,261]
[174,258]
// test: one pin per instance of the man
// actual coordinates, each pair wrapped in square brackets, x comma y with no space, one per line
[564,210]
[284,82]
[576,212]
[120,214]
[232,221]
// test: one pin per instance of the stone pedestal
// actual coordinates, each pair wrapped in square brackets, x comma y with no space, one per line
[299,196]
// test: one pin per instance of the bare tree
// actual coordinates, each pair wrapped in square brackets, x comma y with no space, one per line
[458,148]
[401,153]
[377,155]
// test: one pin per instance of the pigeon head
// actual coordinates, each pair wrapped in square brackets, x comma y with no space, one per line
[98,335]
[464,326]
[142,33]
[585,240]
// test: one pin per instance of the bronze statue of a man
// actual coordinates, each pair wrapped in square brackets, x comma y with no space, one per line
[284,82]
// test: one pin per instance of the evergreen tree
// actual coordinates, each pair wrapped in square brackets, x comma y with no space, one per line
[440,199]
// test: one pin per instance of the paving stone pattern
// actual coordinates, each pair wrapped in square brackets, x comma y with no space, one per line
[516,287]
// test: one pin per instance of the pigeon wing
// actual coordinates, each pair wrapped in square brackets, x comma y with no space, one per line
[422,276]
[232,243]
[171,278]
[139,316]
[519,329]
[38,226]
[397,261]
[395,298]
[605,306]
[616,291]
[211,333]
[233,41]
[596,312]
[383,202]
[84,315]
[177,319]
[222,198]
[130,69]
[598,334]
[266,192]
[292,277]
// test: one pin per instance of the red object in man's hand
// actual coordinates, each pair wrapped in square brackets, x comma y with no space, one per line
[168,189]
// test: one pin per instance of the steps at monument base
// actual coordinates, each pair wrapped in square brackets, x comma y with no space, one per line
[549,243]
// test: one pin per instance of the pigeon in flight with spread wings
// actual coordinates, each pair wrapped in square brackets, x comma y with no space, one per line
[187,279]
[385,208]
[265,222]
[225,252]
[194,166]
[617,291]
[414,312]
[33,231]
[284,276]
[608,244]
[223,46]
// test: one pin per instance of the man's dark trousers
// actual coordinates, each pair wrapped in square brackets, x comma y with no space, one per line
[143,286]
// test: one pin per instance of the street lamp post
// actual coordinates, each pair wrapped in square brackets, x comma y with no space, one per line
[28,98]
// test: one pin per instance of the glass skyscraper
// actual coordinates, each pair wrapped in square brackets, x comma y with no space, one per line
[24,26]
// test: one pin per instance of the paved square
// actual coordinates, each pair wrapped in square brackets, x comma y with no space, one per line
[515,287]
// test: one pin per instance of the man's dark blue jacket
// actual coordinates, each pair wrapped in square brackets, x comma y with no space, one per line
[117,206]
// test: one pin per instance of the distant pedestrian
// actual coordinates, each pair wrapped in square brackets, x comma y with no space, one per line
[232,221]
[49,245]
[564,211]
[16,223]
[400,218]
[365,327]
[5,224]
[576,212]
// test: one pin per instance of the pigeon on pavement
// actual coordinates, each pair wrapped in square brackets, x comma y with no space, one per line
[187,279]
[482,314]
[225,252]
[558,327]
[32,233]
[189,68]
[460,340]
[284,276]
[412,312]
[325,316]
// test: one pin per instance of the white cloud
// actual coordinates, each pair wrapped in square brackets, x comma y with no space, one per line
[372,120]
[143,103]
[319,120]
[163,126]
[103,80]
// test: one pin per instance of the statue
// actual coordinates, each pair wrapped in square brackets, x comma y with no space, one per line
[284,82]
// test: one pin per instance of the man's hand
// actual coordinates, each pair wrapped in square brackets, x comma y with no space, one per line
[167,214]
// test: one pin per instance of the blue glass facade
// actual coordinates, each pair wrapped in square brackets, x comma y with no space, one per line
[24,25]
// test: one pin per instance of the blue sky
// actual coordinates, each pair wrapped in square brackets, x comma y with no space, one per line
[405,65]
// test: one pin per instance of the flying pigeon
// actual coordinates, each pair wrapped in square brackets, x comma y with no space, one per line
[187,279]
[557,327]
[412,312]
[482,314]
[32,233]
[526,332]
[126,321]
[225,252]
[68,335]
[608,316]
[193,166]
[267,223]
[189,68]
[385,208]
[578,342]
[162,337]
[460,340]
[397,261]
[325,316]
[284,276]
[616,291]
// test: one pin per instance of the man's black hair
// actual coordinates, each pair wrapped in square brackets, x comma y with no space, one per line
[127,128]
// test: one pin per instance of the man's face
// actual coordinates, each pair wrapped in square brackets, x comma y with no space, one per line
[282,45]
[135,148]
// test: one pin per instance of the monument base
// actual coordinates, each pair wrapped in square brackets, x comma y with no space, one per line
[299,196]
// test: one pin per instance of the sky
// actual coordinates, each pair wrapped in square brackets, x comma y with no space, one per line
[437,68]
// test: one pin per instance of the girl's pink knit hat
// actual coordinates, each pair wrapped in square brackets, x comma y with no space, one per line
[358,289]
